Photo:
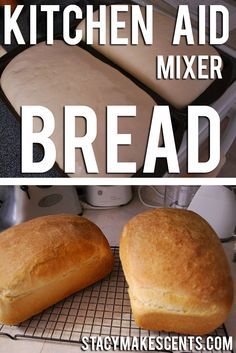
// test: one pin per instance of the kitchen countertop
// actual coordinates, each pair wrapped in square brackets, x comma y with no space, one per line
[111,222]
[10,148]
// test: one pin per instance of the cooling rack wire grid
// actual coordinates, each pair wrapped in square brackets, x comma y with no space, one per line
[100,310]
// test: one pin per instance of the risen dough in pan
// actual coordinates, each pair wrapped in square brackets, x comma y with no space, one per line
[59,75]
[140,60]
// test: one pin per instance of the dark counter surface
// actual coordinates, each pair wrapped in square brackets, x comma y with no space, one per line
[10,148]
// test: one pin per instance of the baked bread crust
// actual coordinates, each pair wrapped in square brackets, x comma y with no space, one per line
[46,259]
[178,275]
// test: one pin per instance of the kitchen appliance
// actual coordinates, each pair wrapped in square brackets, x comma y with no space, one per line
[108,196]
[179,196]
[21,203]
[217,204]
[167,196]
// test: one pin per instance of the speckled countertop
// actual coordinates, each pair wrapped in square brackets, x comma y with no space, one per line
[10,148]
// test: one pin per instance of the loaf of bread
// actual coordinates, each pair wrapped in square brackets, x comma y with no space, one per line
[140,60]
[45,260]
[59,75]
[178,276]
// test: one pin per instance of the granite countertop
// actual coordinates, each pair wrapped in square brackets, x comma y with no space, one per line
[10,148]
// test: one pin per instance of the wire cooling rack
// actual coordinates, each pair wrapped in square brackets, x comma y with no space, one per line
[100,310]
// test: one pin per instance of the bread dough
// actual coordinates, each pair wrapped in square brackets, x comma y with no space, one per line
[140,60]
[59,75]
[2,51]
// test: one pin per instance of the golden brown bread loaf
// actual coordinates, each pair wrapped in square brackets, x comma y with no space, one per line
[177,272]
[46,259]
